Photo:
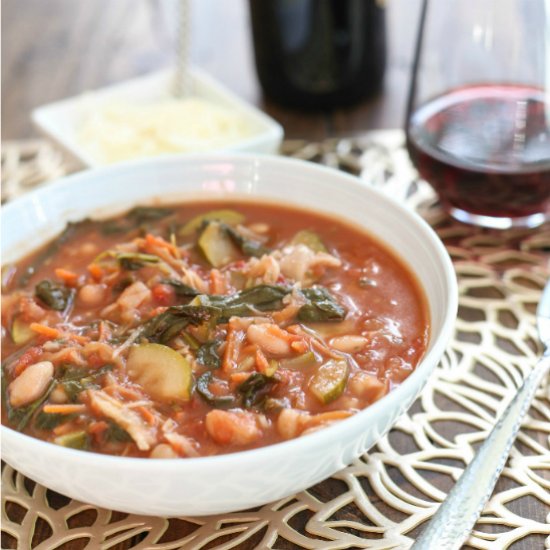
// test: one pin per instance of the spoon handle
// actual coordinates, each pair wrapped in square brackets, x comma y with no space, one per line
[452,523]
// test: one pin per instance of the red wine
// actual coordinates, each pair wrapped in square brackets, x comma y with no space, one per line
[485,149]
[317,54]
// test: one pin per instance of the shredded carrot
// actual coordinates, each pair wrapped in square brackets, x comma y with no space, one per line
[68,277]
[45,330]
[128,393]
[299,346]
[147,415]
[51,333]
[96,272]
[151,240]
[262,362]
[97,428]
[249,349]
[75,408]
[229,352]
[239,377]
[289,312]
[282,334]
[28,358]
[217,282]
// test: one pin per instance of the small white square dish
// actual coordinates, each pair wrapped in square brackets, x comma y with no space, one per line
[62,121]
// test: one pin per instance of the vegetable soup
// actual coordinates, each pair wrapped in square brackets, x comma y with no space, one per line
[204,328]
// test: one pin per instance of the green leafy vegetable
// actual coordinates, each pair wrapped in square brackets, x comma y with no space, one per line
[254,388]
[181,288]
[229,217]
[168,324]
[207,355]
[217,401]
[115,433]
[53,295]
[143,214]
[310,239]
[246,302]
[50,250]
[132,261]
[48,421]
[136,217]
[216,245]
[20,416]
[247,246]
[74,440]
[77,379]
[321,306]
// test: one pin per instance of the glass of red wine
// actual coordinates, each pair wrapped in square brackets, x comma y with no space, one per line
[478,116]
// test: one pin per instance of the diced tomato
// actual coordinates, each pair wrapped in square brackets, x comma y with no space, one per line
[28,358]
[163,294]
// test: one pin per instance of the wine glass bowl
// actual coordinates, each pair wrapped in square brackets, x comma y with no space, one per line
[478,126]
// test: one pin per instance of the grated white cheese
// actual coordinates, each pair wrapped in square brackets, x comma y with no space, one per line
[120,131]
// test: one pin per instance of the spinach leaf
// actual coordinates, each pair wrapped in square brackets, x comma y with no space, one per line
[321,306]
[77,379]
[181,288]
[131,261]
[247,246]
[254,388]
[115,433]
[134,218]
[20,416]
[207,355]
[163,327]
[143,214]
[247,302]
[217,401]
[55,296]
[69,231]
[48,421]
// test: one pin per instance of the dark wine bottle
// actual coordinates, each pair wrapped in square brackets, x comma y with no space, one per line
[318,54]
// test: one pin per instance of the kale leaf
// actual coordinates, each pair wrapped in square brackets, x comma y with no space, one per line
[254,388]
[217,401]
[55,296]
[320,306]
[207,355]
[181,289]
[247,246]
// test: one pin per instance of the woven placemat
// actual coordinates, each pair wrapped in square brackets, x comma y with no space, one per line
[382,499]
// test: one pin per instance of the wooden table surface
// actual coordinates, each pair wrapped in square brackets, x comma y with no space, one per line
[58,48]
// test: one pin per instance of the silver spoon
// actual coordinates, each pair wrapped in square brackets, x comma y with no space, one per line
[452,523]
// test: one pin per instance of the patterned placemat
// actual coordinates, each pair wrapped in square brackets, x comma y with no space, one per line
[382,499]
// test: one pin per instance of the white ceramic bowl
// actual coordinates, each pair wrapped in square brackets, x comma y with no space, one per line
[61,120]
[201,486]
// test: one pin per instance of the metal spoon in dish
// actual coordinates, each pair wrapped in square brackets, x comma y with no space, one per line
[452,523]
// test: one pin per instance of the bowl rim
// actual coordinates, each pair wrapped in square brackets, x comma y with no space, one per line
[320,437]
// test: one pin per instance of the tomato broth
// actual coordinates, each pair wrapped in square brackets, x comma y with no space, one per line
[204,328]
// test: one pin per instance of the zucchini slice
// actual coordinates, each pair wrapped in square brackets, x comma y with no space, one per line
[310,239]
[217,245]
[162,372]
[21,332]
[330,381]
[230,217]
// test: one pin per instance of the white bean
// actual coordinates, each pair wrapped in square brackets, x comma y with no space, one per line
[30,384]
[349,343]
[268,341]
[163,451]
[91,295]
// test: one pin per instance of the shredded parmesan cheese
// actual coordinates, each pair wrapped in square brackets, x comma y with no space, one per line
[120,131]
